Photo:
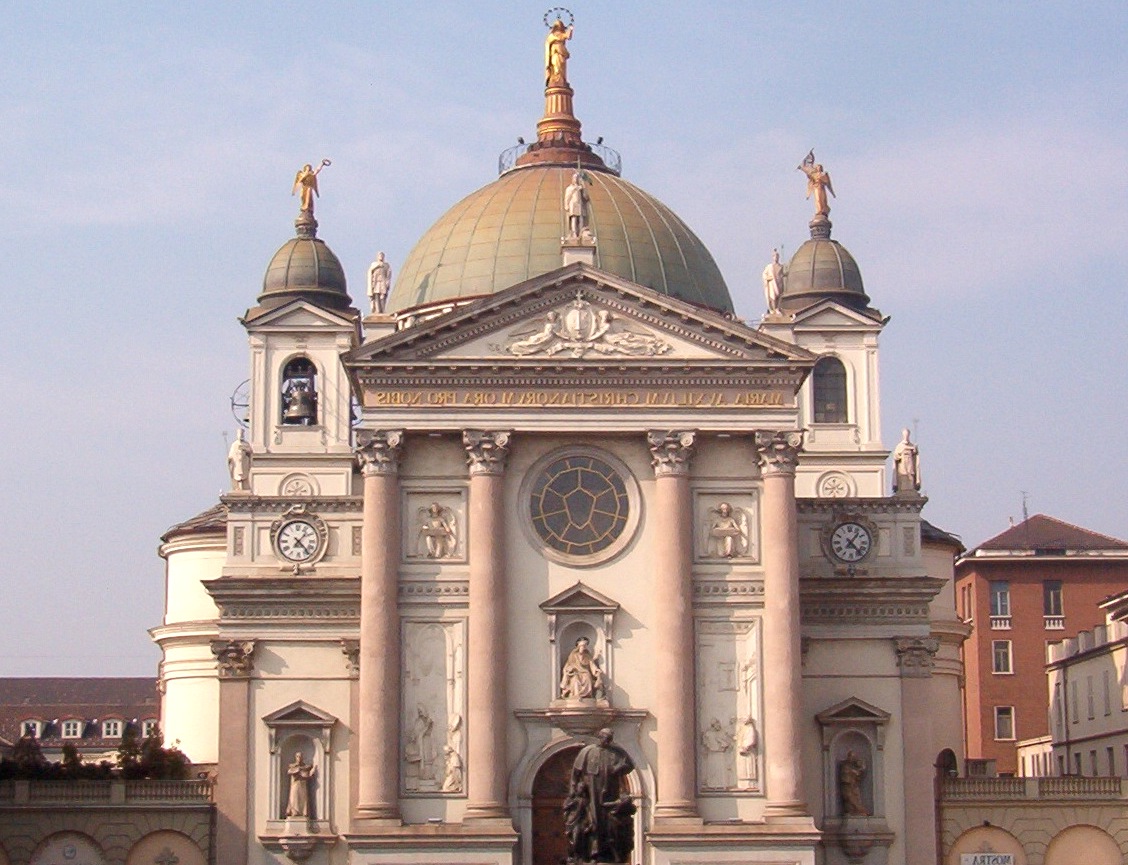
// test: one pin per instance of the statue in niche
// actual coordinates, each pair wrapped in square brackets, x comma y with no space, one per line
[556,53]
[581,678]
[379,283]
[718,745]
[851,771]
[239,463]
[438,532]
[420,750]
[598,818]
[305,181]
[773,283]
[301,773]
[906,465]
[818,184]
[576,200]
[727,535]
[454,733]
[748,743]
[452,776]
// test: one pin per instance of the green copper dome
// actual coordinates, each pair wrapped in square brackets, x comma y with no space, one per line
[510,230]
[304,267]
[822,268]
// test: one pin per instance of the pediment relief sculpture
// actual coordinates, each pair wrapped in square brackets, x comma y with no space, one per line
[580,329]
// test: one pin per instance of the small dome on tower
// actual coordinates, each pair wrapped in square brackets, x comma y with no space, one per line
[822,269]
[304,267]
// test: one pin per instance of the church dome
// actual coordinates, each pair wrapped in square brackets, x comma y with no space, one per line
[510,230]
[822,269]
[304,267]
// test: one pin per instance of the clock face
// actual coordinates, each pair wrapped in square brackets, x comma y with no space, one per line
[851,542]
[298,541]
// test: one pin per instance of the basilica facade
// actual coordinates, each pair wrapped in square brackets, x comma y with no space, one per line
[549,494]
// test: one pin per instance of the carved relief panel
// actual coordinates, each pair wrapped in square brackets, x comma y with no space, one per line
[727,527]
[434,525]
[728,706]
[434,706]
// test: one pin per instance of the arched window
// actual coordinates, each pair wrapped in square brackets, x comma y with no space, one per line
[830,391]
[299,392]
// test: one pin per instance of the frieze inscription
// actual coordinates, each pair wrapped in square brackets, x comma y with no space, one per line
[570,398]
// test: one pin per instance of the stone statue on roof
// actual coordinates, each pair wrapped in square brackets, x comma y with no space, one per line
[773,283]
[379,283]
[576,200]
[818,184]
[906,465]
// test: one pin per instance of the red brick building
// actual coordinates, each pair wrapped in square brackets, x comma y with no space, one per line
[1038,582]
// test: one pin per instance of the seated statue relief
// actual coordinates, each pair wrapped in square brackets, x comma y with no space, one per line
[581,678]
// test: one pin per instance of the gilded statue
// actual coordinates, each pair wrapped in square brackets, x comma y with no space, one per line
[305,182]
[556,53]
[818,184]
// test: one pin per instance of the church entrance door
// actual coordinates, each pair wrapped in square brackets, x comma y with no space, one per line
[550,789]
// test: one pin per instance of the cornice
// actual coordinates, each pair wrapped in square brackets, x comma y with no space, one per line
[305,598]
[514,376]
[277,504]
[868,599]
[884,505]
[707,591]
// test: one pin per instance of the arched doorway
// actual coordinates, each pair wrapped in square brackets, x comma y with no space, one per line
[550,789]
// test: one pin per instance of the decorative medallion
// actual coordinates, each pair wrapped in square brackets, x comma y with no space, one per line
[581,328]
[835,485]
[582,506]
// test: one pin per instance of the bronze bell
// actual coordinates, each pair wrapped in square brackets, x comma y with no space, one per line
[301,407]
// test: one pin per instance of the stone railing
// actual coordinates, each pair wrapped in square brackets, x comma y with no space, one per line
[114,792]
[1070,787]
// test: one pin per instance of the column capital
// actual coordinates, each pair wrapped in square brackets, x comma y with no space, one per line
[486,450]
[916,656]
[378,451]
[779,450]
[670,452]
[235,658]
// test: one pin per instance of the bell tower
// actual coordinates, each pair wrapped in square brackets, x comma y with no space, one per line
[300,412]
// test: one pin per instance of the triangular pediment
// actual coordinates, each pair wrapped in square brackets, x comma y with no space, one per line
[580,598]
[299,712]
[852,711]
[579,314]
[297,315]
[829,315]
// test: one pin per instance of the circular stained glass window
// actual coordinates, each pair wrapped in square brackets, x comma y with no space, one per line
[580,507]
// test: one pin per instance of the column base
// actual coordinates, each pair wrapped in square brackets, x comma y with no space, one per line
[788,809]
[376,817]
[677,814]
[486,811]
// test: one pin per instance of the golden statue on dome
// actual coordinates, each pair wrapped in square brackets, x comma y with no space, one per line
[818,184]
[556,48]
[305,181]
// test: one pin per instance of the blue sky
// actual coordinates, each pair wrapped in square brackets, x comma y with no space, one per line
[977,150]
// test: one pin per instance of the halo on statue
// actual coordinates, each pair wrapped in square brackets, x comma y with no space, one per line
[557,13]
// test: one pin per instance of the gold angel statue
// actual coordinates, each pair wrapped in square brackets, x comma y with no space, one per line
[818,184]
[305,181]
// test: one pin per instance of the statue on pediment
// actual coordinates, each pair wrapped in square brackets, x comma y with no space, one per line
[773,283]
[379,283]
[906,465]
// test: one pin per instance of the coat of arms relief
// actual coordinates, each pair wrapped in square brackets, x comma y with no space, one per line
[580,329]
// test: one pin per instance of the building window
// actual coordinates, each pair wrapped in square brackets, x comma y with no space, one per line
[1073,713]
[1093,763]
[111,729]
[30,728]
[1052,610]
[1000,605]
[1004,723]
[72,729]
[1001,656]
[148,728]
[1107,693]
[1077,763]
[1089,697]
[829,390]
[1126,761]
[1111,761]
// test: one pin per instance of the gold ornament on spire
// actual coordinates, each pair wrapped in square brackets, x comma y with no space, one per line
[305,181]
[818,184]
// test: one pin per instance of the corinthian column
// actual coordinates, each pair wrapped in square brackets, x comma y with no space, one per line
[673,618]
[487,718]
[783,681]
[379,685]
